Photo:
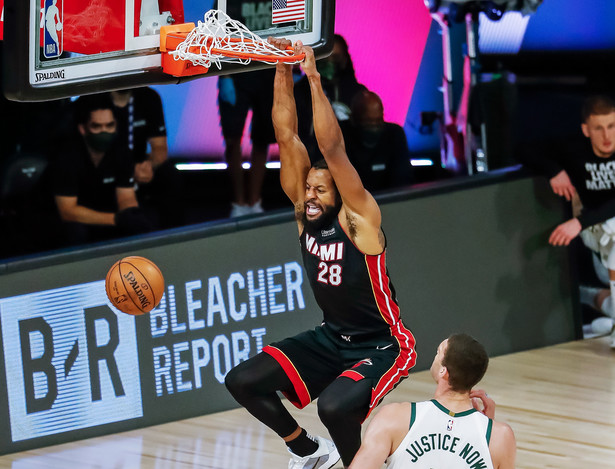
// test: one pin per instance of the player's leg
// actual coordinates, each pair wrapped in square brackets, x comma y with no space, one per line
[311,362]
[373,368]
[254,384]
[342,407]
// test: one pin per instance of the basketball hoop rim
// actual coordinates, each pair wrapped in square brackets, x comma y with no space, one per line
[254,55]
[216,40]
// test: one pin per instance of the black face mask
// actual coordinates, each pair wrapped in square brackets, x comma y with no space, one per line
[100,141]
[370,135]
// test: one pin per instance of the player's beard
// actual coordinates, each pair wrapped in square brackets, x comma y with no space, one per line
[326,218]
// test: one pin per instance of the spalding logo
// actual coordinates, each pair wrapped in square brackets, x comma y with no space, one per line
[138,289]
[56,75]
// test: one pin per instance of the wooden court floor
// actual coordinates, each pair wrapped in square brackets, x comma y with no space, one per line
[559,400]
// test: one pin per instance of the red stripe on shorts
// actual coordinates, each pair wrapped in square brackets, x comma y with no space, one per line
[353,375]
[389,310]
[403,363]
[302,395]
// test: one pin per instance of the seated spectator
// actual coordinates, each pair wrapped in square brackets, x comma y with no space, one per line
[92,178]
[141,127]
[377,149]
[583,172]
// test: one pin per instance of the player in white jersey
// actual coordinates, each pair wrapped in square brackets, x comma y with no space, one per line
[447,432]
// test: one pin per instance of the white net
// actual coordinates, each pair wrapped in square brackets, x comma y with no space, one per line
[219,38]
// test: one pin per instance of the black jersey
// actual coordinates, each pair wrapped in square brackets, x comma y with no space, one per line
[352,288]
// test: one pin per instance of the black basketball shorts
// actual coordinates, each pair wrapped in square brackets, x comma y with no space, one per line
[314,359]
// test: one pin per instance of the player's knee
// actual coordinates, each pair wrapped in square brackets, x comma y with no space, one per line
[344,402]
[334,408]
[237,382]
[330,408]
[250,378]
[232,380]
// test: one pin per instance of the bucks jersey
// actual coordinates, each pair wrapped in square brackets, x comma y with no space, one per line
[352,288]
[441,439]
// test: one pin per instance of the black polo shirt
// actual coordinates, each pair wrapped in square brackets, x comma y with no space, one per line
[74,175]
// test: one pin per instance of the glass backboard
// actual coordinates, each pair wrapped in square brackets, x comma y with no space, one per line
[60,48]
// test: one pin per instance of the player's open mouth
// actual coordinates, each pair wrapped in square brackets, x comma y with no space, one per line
[312,210]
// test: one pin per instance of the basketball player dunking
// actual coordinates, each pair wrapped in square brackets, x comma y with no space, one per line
[362,350]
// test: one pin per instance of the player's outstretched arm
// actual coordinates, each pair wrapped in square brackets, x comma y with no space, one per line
[294,159]
[384,434]
[331,144]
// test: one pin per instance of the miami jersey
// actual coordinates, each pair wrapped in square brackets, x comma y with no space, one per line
[352,288]
[441,439]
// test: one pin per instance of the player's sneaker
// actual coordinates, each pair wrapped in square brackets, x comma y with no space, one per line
[613,339]
[324,457]
[602,326]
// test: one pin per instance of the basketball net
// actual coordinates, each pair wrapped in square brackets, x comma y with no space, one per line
[219,38]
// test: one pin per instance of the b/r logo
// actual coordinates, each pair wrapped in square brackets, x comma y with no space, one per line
[70,361]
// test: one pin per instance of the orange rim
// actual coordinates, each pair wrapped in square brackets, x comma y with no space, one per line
[250,55]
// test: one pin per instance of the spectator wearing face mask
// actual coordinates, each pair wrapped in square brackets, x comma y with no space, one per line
[92,178]
[377,149]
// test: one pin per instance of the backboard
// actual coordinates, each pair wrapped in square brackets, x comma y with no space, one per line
[60,48]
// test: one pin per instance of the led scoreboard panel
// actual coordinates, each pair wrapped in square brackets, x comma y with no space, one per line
[72,367]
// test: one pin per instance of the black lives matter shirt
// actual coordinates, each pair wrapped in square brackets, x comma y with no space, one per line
[353,289]
[593,177]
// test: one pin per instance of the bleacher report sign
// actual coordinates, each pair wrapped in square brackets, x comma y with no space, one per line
[77,367]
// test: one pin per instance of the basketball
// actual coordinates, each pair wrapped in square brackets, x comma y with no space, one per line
[134,285]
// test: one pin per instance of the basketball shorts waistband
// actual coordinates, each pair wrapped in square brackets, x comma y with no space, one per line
[356,338]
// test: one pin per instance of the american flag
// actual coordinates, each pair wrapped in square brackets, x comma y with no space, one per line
[287,10]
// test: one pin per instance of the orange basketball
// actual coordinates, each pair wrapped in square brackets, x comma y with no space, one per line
[134,285]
